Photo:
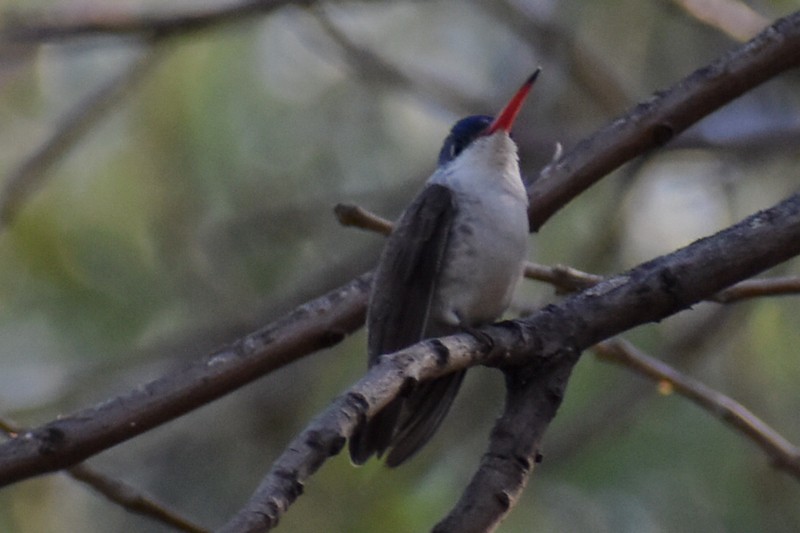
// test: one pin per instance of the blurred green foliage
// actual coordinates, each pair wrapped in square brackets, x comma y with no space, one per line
[200,208]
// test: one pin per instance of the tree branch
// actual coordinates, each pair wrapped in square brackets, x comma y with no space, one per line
[668,113]
[647,293]
[68,440]
[784,455]
[755,288]
[547,344]
[351,215]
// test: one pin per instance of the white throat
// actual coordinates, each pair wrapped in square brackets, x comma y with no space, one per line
[489,165]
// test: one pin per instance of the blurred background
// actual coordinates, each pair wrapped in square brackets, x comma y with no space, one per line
[163,199]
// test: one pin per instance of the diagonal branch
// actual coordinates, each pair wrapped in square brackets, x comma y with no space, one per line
[548,343]
[668,113]
[371,67]
[784,454]
[647,293]
[68,440]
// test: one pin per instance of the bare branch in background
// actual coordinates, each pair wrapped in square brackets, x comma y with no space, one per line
[784,455]
[27,178]
[32,29]
[19,30]
[117,491]
[594,75]
[621,405]
[373,68]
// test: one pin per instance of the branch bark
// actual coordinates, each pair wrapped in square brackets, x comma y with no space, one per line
[63,442]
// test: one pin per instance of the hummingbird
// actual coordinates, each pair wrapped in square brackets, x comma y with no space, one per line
[452,263]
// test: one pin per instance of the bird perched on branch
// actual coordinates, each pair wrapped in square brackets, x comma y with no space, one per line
[452,262]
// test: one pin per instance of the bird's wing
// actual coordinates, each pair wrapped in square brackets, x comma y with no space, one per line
[399,311]
[405,281]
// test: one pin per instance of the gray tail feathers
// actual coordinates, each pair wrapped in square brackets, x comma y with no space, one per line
[407,423]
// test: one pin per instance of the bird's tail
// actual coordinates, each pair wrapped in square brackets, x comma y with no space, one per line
[407,423]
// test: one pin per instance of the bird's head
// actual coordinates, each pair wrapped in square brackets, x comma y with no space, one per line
[467,130]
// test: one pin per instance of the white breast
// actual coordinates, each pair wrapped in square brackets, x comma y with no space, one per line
[488,241]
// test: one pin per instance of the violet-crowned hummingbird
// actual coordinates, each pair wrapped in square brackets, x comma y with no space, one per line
[452,262]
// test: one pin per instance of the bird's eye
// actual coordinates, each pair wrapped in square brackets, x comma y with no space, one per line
[458,147]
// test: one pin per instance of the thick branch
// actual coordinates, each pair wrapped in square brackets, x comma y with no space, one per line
[551,339]
[668,113]
[533,395]
[647,293]
[313,326]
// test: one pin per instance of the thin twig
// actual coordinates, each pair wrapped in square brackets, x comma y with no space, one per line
[351,215]
[755,288]
[622,404]
[568,279]
[565,278]
[117,491]
[784,455]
